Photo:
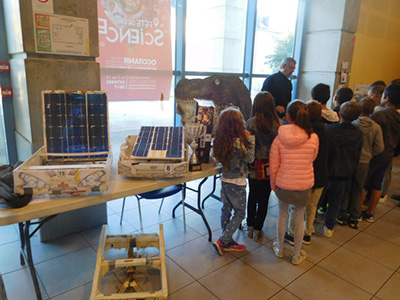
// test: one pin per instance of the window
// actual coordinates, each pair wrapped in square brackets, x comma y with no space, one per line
[215,32]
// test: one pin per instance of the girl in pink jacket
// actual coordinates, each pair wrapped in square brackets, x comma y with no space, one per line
[292,175]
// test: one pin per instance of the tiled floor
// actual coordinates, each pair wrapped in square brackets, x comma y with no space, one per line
[353,264]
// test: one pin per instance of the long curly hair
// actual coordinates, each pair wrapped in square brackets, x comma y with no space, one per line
[230,127]
[265,112]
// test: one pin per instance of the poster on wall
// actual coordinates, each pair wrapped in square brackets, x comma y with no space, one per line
[135,48]
[43,6]
[58,34]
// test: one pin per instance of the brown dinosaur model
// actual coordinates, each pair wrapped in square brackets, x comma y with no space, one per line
[222,90]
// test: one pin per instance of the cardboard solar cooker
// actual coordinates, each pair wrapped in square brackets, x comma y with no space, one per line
[76,156]
[157,152]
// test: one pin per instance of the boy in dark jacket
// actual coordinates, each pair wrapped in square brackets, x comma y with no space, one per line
[372,145]
[389,120]
[348,139]
[342,95]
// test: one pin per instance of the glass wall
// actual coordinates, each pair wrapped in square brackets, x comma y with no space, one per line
[216,40]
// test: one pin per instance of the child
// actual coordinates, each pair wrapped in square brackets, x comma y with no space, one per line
[264,125]
[372,145]
[292,177]
[342,95]
[389,120]
[234,149]
[322,93]
[348,139]
[326,153]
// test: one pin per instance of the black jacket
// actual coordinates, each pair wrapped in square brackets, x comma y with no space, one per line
[389,119]
[281,89]
[348,139]
[326,154]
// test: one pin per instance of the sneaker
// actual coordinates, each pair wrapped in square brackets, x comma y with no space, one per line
[289,239]
[233,246]
[353,223]
[321,210]
[341,220]
[383,198]
[250,232]
[258,235]
[328,232]
[219,247]
[369,218]
[278,252]
[307,239]
[361,217]
[296,260]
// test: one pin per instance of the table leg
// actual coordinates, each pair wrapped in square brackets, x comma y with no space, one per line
[198,209]
[26,255]
[211,194]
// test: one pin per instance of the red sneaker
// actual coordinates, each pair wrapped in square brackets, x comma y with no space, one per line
[219,246]
[233,246]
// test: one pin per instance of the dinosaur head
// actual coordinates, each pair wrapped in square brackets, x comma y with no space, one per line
[222,90]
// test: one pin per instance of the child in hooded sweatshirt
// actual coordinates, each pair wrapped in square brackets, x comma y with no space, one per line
[292,175]
[372,145]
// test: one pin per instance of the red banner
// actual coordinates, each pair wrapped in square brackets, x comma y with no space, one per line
[135,43]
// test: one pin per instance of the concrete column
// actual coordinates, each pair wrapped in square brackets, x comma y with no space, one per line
[33,72]
[328,41]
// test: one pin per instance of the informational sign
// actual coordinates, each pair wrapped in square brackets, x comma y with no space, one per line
[4,67]
[360,90]
[135,36]
[58,34]
[43,6]
[7,92]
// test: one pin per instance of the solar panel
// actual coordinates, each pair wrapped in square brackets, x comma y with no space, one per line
[161,142]
[76,122]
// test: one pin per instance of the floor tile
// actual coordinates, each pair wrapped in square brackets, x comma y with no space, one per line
[92,235]
[8,234]
[198,257]
[391,289]
[227,285]
[150,216]
[9,257]
[177,278]
[57,247]
[68,271]
[324,285]
[280,270]
[19,285]
[79,293]
[386,231]
[375,249]
[193,292]
[359,270]
[393,216]
[240,236]
[196,222]
[113,226]
[174,233]
[319,248]
[284,295]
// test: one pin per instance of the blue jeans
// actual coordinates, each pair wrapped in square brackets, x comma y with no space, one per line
[233,198]
[334,193]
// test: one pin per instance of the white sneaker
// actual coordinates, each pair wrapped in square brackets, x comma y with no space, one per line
[383,199]
[278,252]
[296,260]
[328,232]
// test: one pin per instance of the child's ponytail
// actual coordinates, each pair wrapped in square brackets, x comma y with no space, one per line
[300,116]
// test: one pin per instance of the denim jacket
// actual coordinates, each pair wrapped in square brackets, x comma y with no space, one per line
[240,158]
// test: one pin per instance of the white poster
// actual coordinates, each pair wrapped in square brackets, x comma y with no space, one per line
[58,34]
[43,6]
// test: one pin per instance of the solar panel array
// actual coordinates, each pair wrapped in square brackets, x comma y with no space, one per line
[159,142]
[76,122]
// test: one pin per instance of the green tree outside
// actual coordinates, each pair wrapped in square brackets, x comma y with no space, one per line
[283,48]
